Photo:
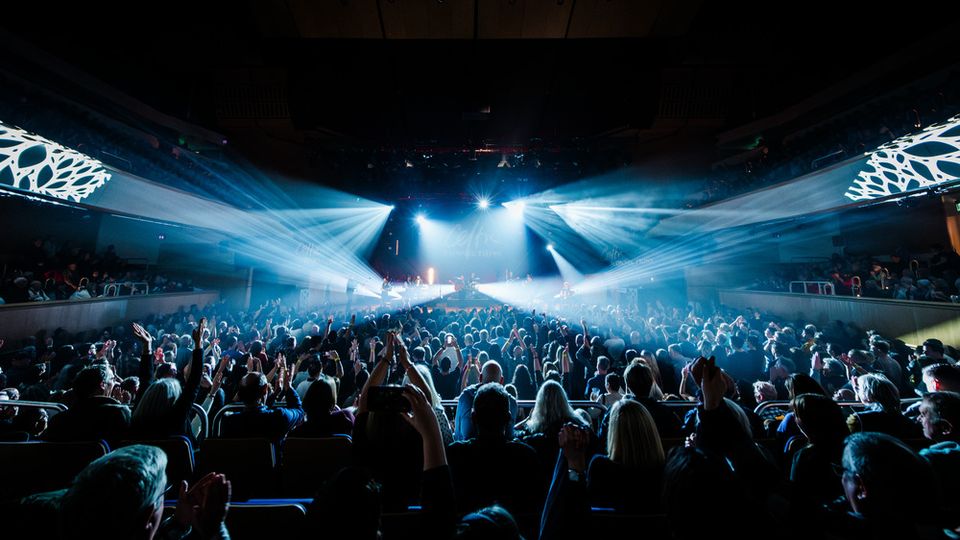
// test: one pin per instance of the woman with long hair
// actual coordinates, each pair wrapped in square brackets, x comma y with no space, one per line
[551,410]
[163,408]
[524,383]
[821,421]
[629,477]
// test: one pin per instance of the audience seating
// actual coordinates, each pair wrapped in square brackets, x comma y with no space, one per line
[250,464]
[44,466]
[307,463]
[180,461]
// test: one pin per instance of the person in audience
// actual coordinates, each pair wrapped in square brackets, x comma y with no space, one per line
[526,389]
[120,495]
[595,385]
[639,380]
[939,417]
[323,417]
[942,378]
[94,415]
[463,423]
[877,471]
[822,424]
[258,420]
[163,410]
[350,505]
[515,484]
[550,412]
[629,477]
[613,384]
[884,415]
[934,350]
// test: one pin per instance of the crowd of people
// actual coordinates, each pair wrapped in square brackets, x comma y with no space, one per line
[933,276]
[640,412]
[779,157]
[46,270]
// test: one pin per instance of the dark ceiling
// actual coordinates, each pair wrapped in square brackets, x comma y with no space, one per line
[305,78]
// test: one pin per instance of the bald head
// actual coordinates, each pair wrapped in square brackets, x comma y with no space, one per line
[491,372]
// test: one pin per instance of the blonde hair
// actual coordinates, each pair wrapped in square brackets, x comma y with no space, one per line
[551,409]
[633,440]
[428,380]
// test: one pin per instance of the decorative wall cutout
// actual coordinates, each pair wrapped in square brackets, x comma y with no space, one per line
[917,161]
[35,164]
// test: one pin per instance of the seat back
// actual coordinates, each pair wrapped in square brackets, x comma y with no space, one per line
[258,520]
[34,467]
[308,463]
[250,465]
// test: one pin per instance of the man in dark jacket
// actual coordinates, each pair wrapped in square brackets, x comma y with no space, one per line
[95,415]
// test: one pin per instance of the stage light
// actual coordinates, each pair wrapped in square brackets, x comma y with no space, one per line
[515,207]
[431,275]
[483,204]
[549,247]
[421,219]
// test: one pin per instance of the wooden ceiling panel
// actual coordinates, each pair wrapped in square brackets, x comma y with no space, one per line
[428,19]
[515,19]
[354,19]
[614,18]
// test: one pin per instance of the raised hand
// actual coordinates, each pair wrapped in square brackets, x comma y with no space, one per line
[198,332]
[574,440]
[142,334]
[204,505]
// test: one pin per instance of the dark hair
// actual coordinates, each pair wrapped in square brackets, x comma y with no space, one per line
[88,381]
[445,364]
[491,409]
[320,396]
[639,379]
[691,470]
[799,383]
[614,382]
[887,469]
[822,419]
[944,406]
[490,523]
[603,363]
[314,366]
[737,341]
[947,374]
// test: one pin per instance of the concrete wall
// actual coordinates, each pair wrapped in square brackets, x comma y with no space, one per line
[22,320]
[912,322]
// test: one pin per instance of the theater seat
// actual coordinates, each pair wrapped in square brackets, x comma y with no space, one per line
[307,463]
[259,520]
[250,465]
[180,463]
[34,467]
[606,523]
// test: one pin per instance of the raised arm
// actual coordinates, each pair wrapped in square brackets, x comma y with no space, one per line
[377,376]
[146,359]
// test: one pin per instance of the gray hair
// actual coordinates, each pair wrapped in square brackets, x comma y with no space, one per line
[874,388]
[129,481]
[157,400]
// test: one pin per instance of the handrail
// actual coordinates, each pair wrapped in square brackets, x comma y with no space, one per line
[823,287]
[529,403]
[201,415]
[786,404]
[218,418]
[59,407]
[137,288]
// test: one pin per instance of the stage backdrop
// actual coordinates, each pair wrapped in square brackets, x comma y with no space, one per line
[487,243]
